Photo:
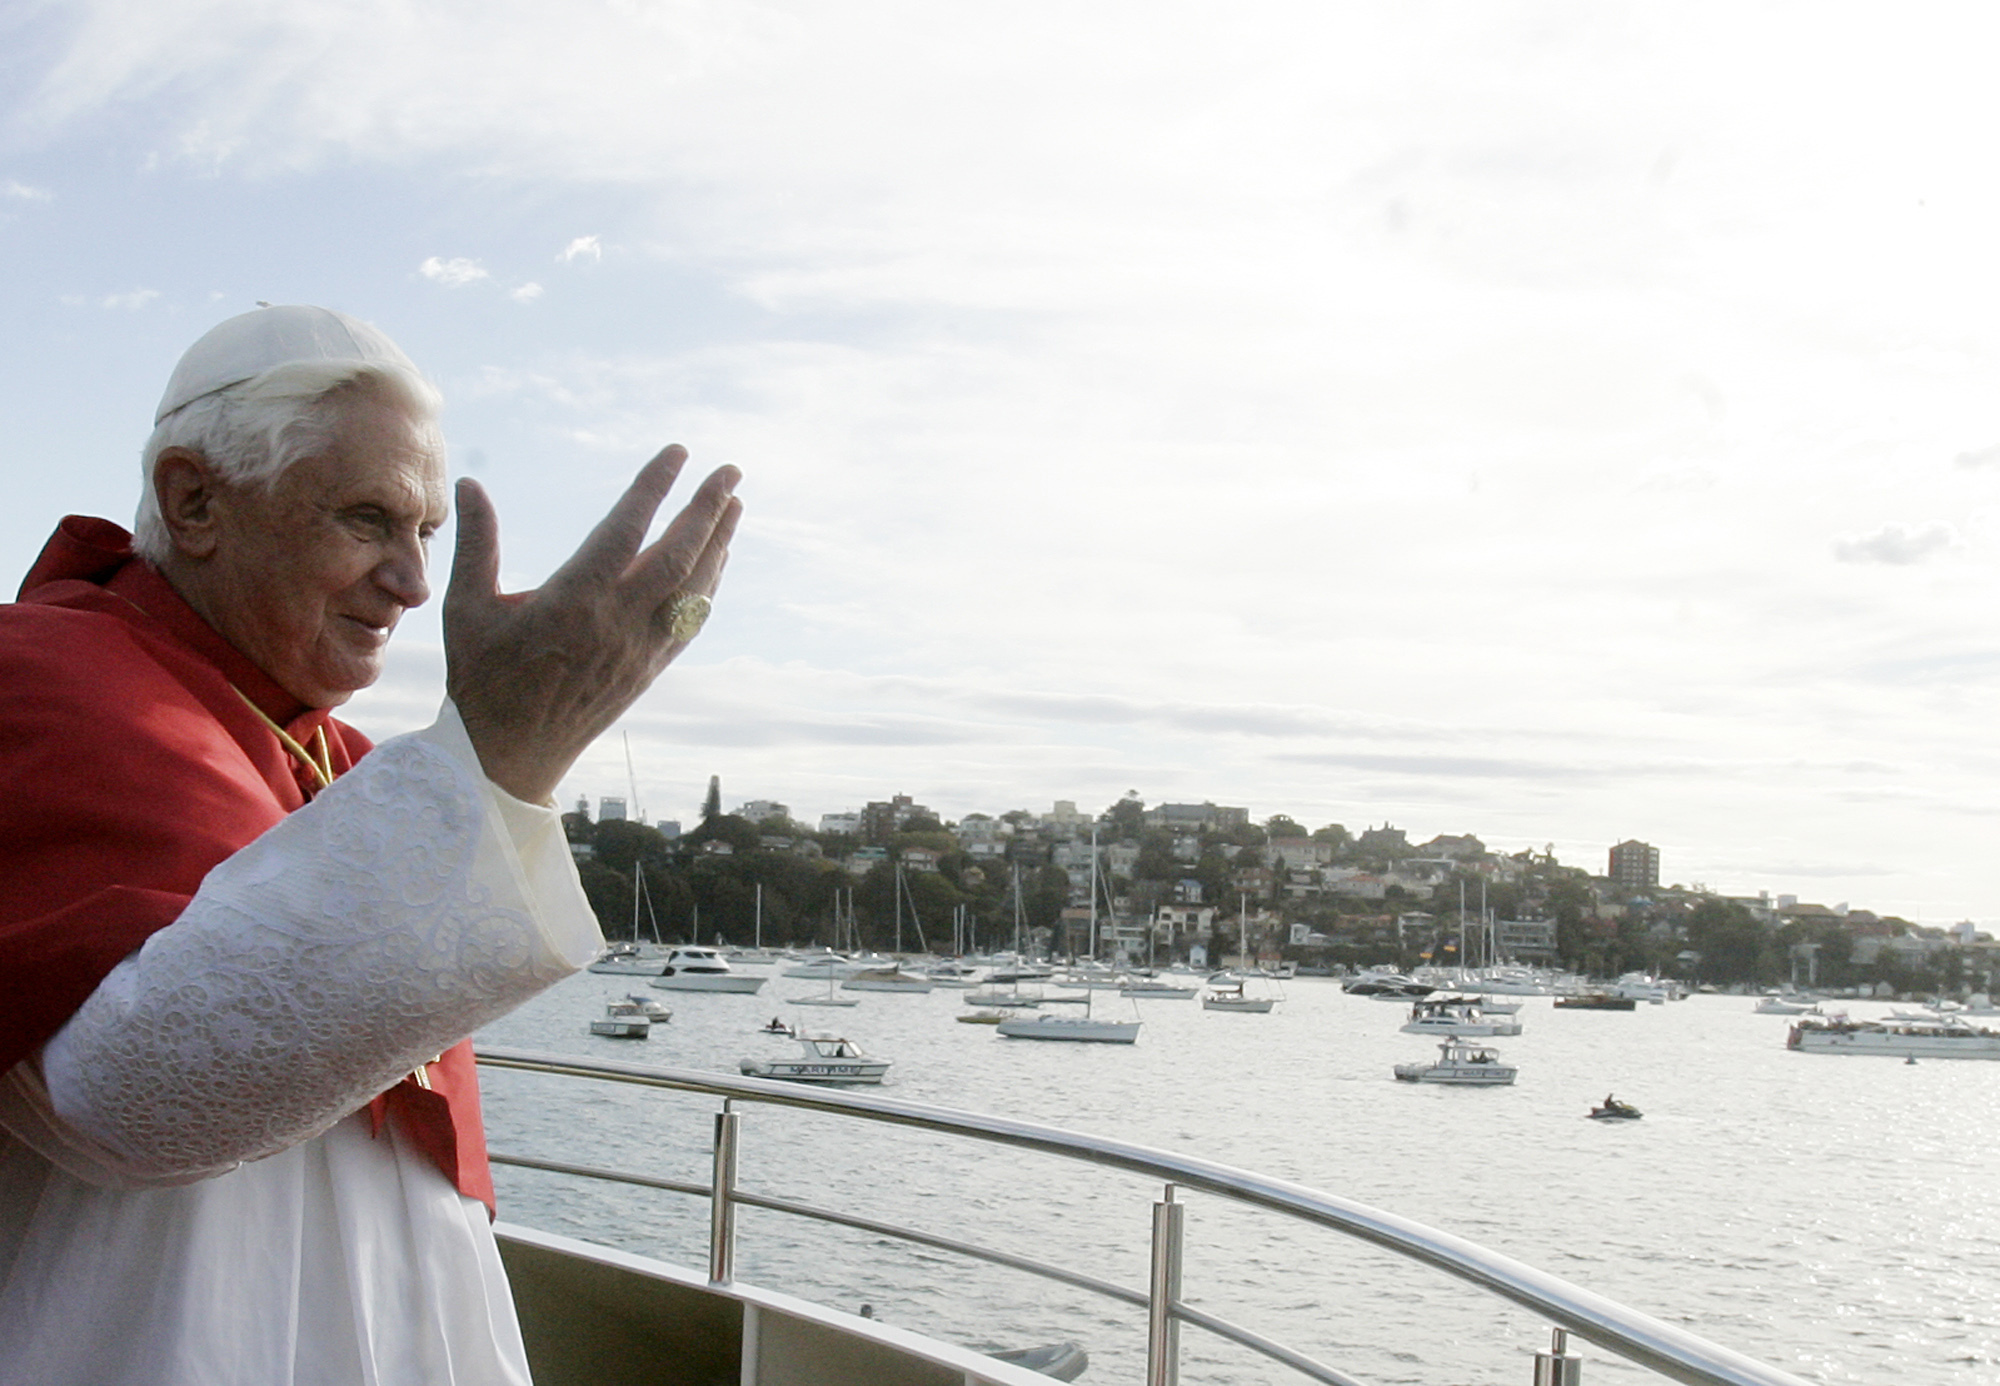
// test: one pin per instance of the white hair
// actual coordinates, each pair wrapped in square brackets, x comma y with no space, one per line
[251,432]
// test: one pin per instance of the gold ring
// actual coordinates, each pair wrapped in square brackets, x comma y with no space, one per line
[686,613]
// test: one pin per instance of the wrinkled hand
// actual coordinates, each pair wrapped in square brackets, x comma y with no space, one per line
[537,676]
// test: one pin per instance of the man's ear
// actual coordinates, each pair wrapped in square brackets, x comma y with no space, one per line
[186,488]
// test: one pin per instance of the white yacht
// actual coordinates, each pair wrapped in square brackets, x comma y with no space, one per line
[891,978]
[693,968]
[631,960]
[1457,1015]
[1942,1037]
[820,966]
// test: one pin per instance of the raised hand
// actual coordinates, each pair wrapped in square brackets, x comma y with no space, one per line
[537,676]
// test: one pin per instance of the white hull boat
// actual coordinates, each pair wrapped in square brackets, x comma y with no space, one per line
[622,1020]
[1080,1028]
[887,979]
[659,1012]
[1003,1000]
[703,969]
[1457,1015]
[1158,991]
[1895,1039]
[822,966]
[1236,1001]
[821,1059]
[1462,1065]
[630,960]
[1226,993]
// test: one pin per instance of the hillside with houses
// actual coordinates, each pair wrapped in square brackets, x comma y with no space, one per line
[1182,882]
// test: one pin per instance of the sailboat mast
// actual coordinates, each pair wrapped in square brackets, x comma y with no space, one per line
[1093,896]
[1461,928]
[899,909]
[760,917]
[1017,917]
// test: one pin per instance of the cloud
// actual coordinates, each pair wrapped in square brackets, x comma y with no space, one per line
[527,293]
[131,302]
[1980,457]
[581,247]
[21,192]
[1900,545]
[454,273]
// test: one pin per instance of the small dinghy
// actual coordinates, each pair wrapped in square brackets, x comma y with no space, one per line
[1614,1110]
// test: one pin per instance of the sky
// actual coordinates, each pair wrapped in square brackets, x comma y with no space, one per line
[1560,422]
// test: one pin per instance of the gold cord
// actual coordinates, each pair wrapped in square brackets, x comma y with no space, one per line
[322,768]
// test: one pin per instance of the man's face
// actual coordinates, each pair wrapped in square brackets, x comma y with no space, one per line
[312,573]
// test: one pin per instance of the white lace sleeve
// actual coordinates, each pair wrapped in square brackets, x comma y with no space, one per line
[406,906]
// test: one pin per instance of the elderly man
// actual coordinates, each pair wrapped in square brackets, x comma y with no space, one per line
[239,1125]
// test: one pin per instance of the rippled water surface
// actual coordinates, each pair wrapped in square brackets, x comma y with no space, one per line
[1838,1217]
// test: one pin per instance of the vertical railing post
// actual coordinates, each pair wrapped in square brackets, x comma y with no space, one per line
[1557,1367]
[1163,1293]
[722,1199]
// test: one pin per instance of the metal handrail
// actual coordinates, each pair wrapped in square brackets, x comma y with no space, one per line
[1645,1341]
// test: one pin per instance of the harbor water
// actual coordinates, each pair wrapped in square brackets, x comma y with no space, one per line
[1837,1217]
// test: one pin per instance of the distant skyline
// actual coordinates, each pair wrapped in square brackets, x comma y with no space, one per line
[1564,422]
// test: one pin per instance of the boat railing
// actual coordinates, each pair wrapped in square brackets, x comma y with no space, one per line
[1569,1309]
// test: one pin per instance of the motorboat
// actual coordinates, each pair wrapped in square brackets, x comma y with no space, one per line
[1080,1028]
[1613,1110]
[980,1017]
[1012,1000]
[1457,1015]
[1461,1065]
[820,966]
[1642,987]
[891,978]
[1942,1037]
[1154,989]
[583,1305]
[821,1059]
[659,1012]
[1775,1004]
[693,968]
[622,1020]
[1512,981]
[776,1026]
[1387,986]
[952,975]
[631,960]
[1596,1001]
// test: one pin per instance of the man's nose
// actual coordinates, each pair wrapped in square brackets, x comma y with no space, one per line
[405,573]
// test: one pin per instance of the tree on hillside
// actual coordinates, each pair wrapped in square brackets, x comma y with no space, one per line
[1283,825]
[1127,817]
[620,842]
[1733,946]
[740,833]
